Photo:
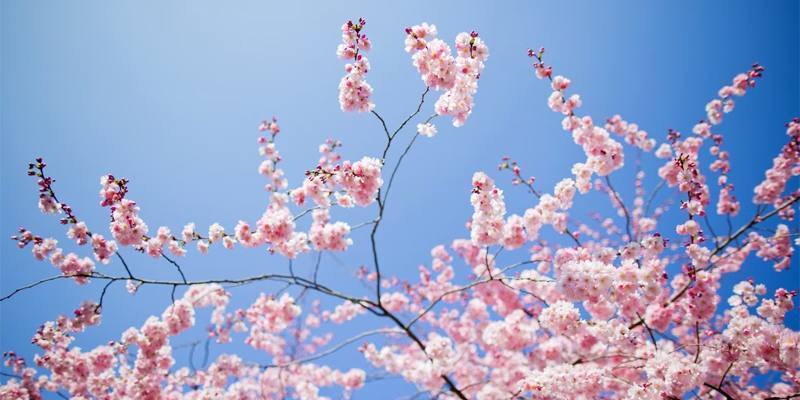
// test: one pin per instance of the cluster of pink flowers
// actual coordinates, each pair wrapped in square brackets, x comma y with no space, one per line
[78,231]
[669,374]
[48,203]
[631,132]
[268,150]
[432,56]
[724,104]
[349,183]
[329,236]
[487,220]
[603,154]
[784,166]
[359,183]
[565,381]
[362,179]
[102,248]
[276,227]
[584,280]
[269,315]
[546,212]
[414,365]
[343,312]
[515,332]
[777,248]
[457,76]
[432,287]
[126,226]
[427,129]
[141,364]
[70,264]
[550,210]
[354,91]
[726,202]
[715,109]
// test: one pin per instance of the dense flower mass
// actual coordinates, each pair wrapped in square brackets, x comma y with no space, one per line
[354,91]
[456,76]
[784,166]
[487,220]
[532,302]
[362,179]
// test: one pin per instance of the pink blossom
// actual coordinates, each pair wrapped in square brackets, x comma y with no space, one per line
[489,211]
[188,232]
[394,302]
[514,235]
[79,232]
[784,166]
[327,236]
[202,246]
[215,232]
[362,179]
[354,91]
[632,134]
[457,76]
[427,129]
[581,280]
[561,317]
[565,192]
[344,312]
[48,205]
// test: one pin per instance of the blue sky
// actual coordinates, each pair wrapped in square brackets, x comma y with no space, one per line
[169,94]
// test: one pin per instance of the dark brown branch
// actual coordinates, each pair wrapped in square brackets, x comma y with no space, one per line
[720,391]
[380,200]
[624,209]
[385,129]
[177,266]
[649,331]
[33,285]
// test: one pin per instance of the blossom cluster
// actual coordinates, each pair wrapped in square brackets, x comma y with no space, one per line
[354,91]
[487,220]
[69,264]
[440,70]
[603,154]
[784,166]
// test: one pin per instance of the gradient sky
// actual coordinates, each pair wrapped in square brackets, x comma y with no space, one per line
[169,95]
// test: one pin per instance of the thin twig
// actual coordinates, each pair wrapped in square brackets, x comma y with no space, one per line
[624,209]
[334,348]
[171,261]
[33,285]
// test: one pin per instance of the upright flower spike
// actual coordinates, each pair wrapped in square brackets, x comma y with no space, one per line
[489,210]
[354,91]
[267,149]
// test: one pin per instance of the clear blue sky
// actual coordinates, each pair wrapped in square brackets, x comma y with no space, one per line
[169,94]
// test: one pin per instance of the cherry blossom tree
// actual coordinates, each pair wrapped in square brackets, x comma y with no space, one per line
[589,310]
